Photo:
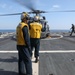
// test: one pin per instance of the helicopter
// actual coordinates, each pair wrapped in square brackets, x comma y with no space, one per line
[42,19]
[30,5]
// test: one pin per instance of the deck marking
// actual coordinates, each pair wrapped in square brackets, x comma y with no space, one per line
[58,37]
[35,66]
[46,51]
[2,51]
[58,51]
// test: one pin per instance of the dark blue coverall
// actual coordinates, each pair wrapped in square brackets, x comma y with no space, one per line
[24,53]
[73,30]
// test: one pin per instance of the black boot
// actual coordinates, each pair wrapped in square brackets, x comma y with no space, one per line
[36,60]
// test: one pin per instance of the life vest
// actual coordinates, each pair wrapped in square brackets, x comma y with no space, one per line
[19,34]
[35,30]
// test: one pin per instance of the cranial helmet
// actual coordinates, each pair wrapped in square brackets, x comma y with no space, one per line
[24,15]
[36,18]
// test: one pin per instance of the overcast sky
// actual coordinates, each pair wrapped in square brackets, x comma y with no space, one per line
[58,20]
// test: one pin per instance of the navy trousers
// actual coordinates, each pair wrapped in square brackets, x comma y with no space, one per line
[24,56]
[35,43]
[72,32]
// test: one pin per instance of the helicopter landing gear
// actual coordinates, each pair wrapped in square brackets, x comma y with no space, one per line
[48,35]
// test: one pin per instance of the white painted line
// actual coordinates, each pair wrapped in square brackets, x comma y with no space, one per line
[35,66]
[8,51]
[46,51]
[60,36]
[58,51]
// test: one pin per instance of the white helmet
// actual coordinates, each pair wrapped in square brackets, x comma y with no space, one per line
[24,15]
[36,18]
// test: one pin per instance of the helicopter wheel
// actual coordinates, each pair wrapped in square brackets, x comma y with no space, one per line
[48,35]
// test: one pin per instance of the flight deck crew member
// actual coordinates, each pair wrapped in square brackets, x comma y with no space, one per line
[35,33]
[73,29]
[23,44]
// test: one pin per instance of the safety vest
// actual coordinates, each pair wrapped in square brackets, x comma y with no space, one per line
[35,30]
[19,34]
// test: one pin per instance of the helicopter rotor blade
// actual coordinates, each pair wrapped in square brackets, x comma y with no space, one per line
[26,3]
[10,14]
[30,4]
[62,11]
[14,14]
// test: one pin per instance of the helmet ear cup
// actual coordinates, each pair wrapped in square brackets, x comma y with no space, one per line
[27,17]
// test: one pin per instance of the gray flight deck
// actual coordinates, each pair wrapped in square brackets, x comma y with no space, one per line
[49,63]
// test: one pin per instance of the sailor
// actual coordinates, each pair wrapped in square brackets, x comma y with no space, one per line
[23,44]
[35,34]
[72,29]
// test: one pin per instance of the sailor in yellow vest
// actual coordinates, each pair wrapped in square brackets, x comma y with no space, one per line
[35,34]
[23,44]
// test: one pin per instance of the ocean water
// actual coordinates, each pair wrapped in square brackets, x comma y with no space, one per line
[4,31]
[59,30]
[50,31]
